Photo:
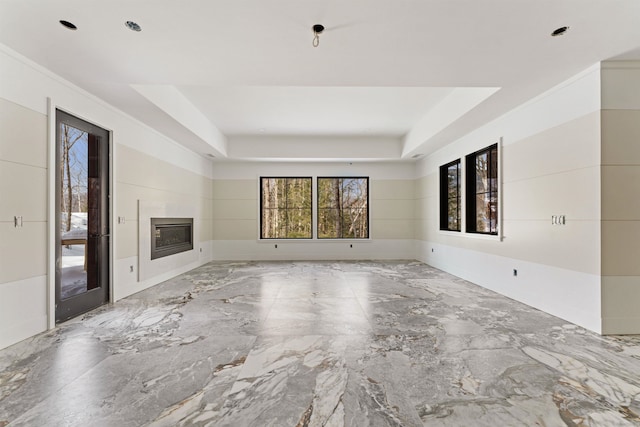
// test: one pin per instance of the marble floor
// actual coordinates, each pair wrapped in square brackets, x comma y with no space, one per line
[319,344]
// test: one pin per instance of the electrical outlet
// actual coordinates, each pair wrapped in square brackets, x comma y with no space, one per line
[350,246]
[200,250]
[432,250]
[17,221]
[515,273]
[131,269]
[121,220]
[276,246]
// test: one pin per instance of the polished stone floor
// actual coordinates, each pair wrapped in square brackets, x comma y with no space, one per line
[319,344]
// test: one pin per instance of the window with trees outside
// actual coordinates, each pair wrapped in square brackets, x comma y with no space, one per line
[450,197]
[343,207]
[285,208]
[482,191]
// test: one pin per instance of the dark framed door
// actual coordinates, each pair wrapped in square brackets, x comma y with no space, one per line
[82,212]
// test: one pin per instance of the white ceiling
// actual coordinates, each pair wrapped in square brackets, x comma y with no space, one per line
[286,110]
[218,76]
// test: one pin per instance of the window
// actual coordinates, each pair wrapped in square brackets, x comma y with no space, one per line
[482,191]
[450,180]
[343,208]
[285,208]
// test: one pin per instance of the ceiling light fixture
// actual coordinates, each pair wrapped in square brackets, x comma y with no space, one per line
[133,26]
[559,31]
[68,25]
[317,30]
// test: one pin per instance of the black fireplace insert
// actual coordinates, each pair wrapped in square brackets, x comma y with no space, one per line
[171,236]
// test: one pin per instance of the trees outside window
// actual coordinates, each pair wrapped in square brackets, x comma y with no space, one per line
[73,172]
[450,196]
[343,207]
[285,205]
[482,191]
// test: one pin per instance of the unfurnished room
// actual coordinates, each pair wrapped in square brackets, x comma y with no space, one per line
[304,213]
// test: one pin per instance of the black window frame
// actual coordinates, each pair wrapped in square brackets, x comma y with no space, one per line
[471,193]
[262,178]
[368,216]
[446,197]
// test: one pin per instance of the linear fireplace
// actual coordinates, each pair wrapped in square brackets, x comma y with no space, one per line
[171,236]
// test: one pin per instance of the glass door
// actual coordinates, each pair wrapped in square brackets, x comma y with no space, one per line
[82,226]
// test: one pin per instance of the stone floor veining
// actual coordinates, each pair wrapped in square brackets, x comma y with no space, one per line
[319,344]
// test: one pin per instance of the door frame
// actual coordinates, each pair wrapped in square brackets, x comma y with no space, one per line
[51,207]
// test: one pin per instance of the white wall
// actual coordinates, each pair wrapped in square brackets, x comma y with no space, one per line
[140,177]
[142,162]
[23,251]
[550,166]
[237,212]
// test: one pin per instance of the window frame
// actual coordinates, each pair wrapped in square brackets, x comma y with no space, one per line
[262,178]
[445,196]
[319,208]
[471,193]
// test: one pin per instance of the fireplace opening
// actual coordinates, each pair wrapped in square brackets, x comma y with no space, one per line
[171,236]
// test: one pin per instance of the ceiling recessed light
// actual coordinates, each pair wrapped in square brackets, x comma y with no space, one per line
[133,26]
[559,31]
[68,25]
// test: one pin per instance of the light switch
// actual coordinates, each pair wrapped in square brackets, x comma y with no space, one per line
[17,221]
[558,220]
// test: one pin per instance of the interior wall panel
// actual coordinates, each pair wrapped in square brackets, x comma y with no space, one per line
[550,166]
[146,164]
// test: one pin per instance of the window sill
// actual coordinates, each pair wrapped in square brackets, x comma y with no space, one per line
[478,236]
[451,232]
